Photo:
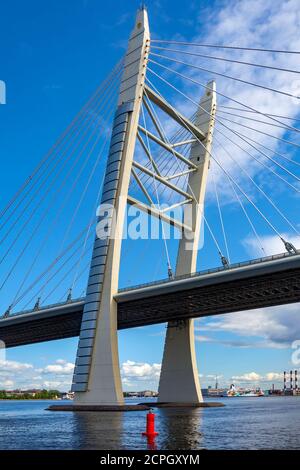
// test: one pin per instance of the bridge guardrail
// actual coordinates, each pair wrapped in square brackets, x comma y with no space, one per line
[211,271]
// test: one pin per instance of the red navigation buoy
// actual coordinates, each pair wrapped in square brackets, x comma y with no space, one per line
[150,426]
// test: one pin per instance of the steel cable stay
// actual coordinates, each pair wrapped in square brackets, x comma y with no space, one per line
[247,216]
[61,140]
[80,274]
[224,235]
[221,46]
[92,219]
[82,253]
[40,186]
[88,183]
[229,77]
[275,152]
[184,152]
[287,244]
[65,276]
[289,247]
[224,260]
[219,93]
[64,202]
[61,159]
[251,119]
[162,154]
[50,205]
[54,147]
[140,259]
[38,294]
[179,134]
[49,267]
[170,272]
[256,185]
[62,184]
[220,214]
[278,210]
[294,144]
[224,59]
[164,161]
[92,119]
[254,112]
[186,133]
[62,206]
[262,163]
[178,164]
[219,121]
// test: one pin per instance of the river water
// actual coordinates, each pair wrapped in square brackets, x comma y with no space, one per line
[243,423]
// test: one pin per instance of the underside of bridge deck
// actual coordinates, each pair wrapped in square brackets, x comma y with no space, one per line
[199,296]
[238,295]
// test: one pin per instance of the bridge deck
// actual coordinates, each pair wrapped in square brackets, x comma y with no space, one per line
[259,283]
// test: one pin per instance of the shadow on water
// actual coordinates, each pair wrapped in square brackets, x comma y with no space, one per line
[98,430]
[180,428]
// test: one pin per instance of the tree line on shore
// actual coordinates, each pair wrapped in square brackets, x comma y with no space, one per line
[37,395]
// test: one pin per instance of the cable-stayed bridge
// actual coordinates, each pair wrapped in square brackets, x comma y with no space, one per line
[266,282]
[175,183]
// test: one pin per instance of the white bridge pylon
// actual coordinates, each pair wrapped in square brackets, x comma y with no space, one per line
[97,379]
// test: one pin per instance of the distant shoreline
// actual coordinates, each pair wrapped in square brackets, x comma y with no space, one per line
[32,399]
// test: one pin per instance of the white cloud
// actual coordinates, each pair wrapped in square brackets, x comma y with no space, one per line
[254,378]
[14,366]
[273,376]
[248,377]
[258,24]
[14,374]
[60,367]
[6,384]
[277,326]
[140,370]
[272,244]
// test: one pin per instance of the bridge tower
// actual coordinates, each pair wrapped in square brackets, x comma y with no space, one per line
[97,379]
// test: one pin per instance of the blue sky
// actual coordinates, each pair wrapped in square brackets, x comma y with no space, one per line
[52,60]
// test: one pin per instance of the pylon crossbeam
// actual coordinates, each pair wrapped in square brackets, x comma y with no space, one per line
[144,146]
[141,185]
[162,180]
[166,146]
[184,142]
[153,211]
[174,114]
[178,175]
[153,118]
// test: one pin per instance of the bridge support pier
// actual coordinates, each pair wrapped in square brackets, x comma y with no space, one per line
[179,377]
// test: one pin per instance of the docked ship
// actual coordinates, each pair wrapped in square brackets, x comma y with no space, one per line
[234,392]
